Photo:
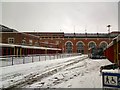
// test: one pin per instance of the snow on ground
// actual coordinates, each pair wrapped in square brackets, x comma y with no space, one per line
[84,74]
[72,72]
[10,60]
[13,74]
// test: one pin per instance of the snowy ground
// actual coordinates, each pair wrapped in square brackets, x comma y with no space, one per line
[71,72]
[12,60]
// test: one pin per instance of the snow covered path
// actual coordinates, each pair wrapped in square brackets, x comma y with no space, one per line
[18,74]
[83,74]
[72,72]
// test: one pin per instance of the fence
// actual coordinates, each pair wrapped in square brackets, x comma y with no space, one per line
[14,60]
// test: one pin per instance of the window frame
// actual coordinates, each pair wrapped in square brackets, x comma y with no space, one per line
[11,40]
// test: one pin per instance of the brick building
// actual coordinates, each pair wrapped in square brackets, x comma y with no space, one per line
[76,42]
[11,36]
[68,42]
[19,44]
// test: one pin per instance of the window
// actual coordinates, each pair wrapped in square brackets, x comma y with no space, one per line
[80,48]
[23,42]
[92,45]
[36,43]
[69,47]
[103,45]
[30,42]
[10,40]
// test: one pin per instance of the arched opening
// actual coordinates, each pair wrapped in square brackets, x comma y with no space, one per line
[80,47]
[103,45]
[92,45]
[68,47]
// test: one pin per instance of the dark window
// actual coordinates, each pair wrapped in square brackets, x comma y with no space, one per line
[69,47]
[103,45]
[11,40]
[80,48]
[92,45]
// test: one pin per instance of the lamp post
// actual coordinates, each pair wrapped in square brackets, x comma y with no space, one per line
[109,31]
[86,32]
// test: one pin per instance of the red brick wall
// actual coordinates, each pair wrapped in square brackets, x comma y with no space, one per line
[18,37]
[52,41]
[62,42]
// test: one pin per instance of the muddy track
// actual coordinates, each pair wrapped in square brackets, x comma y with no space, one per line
[37,76]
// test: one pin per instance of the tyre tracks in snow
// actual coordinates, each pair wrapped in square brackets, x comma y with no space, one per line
[66,74]
[37,76]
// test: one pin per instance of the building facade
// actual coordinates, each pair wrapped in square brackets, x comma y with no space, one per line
[67,42]
[20,44]
[76,42]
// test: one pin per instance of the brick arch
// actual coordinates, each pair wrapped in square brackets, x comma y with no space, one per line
[103,42]
[68,41]
[80,42]
[80,47]
[92,42]
[68,47]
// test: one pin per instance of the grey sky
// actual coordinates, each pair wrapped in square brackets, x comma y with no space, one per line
[67,16]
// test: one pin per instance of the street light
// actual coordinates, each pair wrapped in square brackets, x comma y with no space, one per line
[109,31]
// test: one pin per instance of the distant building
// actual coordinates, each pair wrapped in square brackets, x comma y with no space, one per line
[76,42]
[68,42]
[16,43]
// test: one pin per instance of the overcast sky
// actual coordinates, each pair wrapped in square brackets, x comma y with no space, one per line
[60,16]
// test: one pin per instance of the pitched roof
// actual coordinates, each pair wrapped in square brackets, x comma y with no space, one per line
[6,29]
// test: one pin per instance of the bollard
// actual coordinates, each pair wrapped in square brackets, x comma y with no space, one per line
[50,57]
[32,58]
[57,56]
[45,57]
[12,60]
[39,57]
[23,59]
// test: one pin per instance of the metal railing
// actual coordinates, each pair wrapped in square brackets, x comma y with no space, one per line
[14,60]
